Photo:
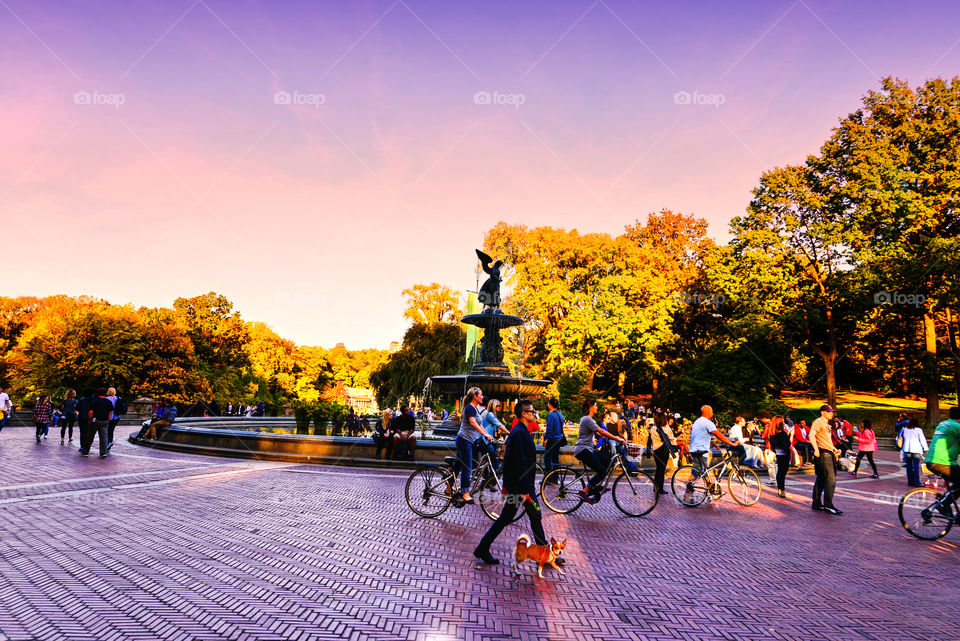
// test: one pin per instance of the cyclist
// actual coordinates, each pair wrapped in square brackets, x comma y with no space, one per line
[944,450]
[701,432]
[586,453]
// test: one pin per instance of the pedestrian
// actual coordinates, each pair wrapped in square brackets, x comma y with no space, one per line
[662,441]
[866,446]
[470,430]
[69,408]
[780,444]
[519,471]
[6,407]
[824,462]
[913,446]
[84,405]
[100,417]
[119,409]
[553,438]
[42,413]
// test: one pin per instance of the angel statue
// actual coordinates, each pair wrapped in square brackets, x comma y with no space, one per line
[489,294]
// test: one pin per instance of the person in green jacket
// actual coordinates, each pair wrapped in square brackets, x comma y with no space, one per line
[945,448]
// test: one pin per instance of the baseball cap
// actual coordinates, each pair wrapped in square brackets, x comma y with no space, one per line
[826,408]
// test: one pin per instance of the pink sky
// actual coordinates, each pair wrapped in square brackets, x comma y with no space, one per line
[313,219]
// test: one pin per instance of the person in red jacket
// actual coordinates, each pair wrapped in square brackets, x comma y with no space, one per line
[801,443]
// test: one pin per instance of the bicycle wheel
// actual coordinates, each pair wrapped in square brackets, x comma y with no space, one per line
[429,491]
[688,487]
[560,490]
[744,486]
[492,500]
[635,495]
[921,519]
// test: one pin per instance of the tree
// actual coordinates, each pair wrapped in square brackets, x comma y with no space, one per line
[791,259]
[433,303]
[219,336]
[427,350]
[892,169]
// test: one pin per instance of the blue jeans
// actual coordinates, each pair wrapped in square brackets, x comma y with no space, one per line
[551,455]
[464,462]
[913,468]
[482,446]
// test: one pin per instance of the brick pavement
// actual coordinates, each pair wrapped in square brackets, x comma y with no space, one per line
[159,545]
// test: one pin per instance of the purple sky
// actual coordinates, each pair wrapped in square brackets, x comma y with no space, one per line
[144,154]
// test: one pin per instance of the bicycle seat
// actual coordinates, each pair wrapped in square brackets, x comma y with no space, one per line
[450,460]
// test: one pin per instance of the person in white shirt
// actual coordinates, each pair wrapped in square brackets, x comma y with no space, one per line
[914,447]
[5,407]
[701,433]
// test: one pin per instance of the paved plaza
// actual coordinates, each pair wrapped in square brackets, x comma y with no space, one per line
[158,545]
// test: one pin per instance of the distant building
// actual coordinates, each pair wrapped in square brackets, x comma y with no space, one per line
[394,346]
[361,399]
[339,346]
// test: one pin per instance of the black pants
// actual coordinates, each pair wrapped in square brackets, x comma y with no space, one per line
[512,504]
[68,425]
[384,441]
[660,456]
[84,428]
[551,455]
[99,429]
[41,428]
[826,483]
[110,428]
[596,461]
[869,456]
[783,464]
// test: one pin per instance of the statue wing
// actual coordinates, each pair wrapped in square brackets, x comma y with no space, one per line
[485,260]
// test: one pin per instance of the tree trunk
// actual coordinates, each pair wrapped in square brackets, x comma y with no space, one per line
[655,384]
[954,337]
[930,370]
[829,362]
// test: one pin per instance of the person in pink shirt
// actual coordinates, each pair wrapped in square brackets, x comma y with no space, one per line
[866,446]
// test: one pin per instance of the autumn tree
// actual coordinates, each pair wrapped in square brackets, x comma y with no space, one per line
[433,303]
[427,350]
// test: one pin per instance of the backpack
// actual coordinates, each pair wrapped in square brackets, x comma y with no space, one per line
[120,408]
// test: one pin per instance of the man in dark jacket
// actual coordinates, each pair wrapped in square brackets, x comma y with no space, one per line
[84,407]
[519,472]
[100,415]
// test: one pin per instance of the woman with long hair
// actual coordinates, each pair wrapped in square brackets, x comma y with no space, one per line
[470,431]
[42,413]
[382,438]
[661,449]
[779,440]
[866,446]
[69,414]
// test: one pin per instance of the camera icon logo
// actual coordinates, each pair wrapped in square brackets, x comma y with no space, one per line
[482,98]
[281,98]
[81,98]
[681,98]
[882,298]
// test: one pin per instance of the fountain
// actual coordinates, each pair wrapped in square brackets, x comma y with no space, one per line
[489,372]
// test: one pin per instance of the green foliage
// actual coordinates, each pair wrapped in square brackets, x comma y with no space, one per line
[427,350]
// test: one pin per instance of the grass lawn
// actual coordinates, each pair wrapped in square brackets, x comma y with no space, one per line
[856,406]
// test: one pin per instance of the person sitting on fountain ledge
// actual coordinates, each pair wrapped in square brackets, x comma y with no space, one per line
[403,427]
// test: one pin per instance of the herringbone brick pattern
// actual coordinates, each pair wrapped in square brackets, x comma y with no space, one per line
[154,545]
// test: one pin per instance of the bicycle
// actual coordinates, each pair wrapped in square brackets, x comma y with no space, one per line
[431,489]
[691,486]
[634,494]
[927,513]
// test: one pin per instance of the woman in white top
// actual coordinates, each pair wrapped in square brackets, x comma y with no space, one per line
[914,447]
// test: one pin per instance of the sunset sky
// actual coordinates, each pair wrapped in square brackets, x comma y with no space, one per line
[148,150]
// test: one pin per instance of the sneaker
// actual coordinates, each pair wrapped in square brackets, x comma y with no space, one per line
[61,441]
[586,496]
[103,456]
[817,508]
[874,476]
[485,556]
[853,474]
[833,510]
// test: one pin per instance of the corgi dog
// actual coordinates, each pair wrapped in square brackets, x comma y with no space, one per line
[540,554]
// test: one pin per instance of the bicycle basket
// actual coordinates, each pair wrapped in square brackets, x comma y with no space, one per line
[633,451]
